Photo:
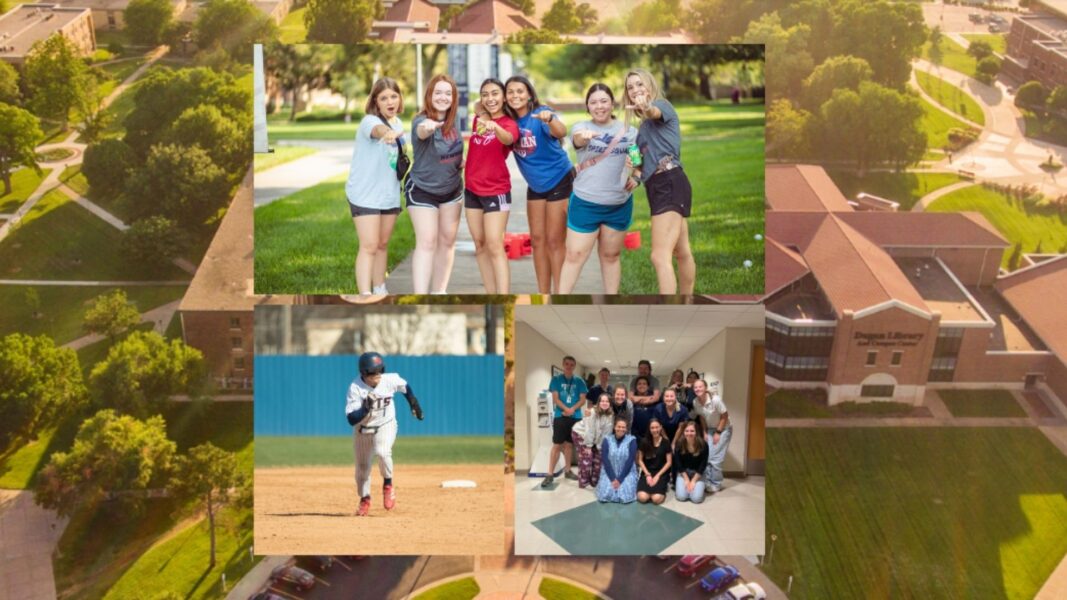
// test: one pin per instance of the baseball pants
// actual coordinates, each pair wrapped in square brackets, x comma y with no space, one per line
[369,445]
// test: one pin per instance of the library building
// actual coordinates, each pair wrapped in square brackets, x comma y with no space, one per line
[874,304]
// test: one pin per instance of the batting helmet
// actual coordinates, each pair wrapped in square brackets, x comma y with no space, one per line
[371,363]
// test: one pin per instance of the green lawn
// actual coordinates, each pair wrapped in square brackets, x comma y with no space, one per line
[554,589]
[60,240]
[62,307]
[954,56]
[460,589]
[306,243]
[951,97]
[19,466]
[228,425]
[811,404]
[75,180]
[117,72]
[292,29]
[1019,225]
[23,183]
[937,123]
[280,156]
[278,451]
[278,128]
[1050,129]
[915,513]
[997,41]
[905,188]
[981,403]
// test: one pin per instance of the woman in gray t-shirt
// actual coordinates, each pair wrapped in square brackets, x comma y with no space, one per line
[670,195]
[601,205]
[372,189]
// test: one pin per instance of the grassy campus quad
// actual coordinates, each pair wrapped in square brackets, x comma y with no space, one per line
[951,97]
[997,41]
[305,243]
[23,184]
[936,123]
[74,179]
[915,512]
[554,589]
[905,188]
[954,57]
[1025,226]
[981,403]
[811,404]
[292,29]
[460,589]
[280,156]
[290,451]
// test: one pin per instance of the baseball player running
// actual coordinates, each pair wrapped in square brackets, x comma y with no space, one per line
[370,410]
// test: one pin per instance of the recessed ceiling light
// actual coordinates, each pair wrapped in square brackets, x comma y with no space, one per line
[607,362]
[594,338]
[651,362]
[659,340]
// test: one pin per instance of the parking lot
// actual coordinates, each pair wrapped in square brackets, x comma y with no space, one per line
[956,19]
[386,577]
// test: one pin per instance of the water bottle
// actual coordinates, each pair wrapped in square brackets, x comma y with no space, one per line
[635,155]
[393,154]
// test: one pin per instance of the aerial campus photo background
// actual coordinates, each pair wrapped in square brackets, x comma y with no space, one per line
[951,91]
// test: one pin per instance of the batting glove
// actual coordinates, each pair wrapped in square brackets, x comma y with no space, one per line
[416,410]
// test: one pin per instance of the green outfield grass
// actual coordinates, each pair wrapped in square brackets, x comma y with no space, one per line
[554,589]
[936,124]
[951,97]
[915,513]
[23,184]
[460,589]
[1024,226]
[290,451]
[954,56]
[905,188]
[981,403]
[280,156]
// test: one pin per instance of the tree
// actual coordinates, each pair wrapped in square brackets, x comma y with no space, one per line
[538,36]
[9,84]
[145,368]
[987,70]
[1016,257]
[715,21]
[526,6]
[341,21]
[148,20]
[163,95]
[57,79]
[233,26]
[181,183]
[154,241]
[788,59]
[567,16]
[300,67]
[111,315]
[113,455]
[1032,95]
[836,72]
[888,35]
[787,130]
[228,143]
[95,121]
[655,17]
[936,53]
[107,165]
[208,473]
[980,49]
[1057,101]
[19,132]
[38,382]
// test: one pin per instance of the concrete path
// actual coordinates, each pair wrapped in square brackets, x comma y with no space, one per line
[332,159]
[914,82]
[29,534]
[934,195]
[159,317]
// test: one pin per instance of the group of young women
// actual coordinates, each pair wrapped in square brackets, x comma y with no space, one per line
[624,465]
[570,208]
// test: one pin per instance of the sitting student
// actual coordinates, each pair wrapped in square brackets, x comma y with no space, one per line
[618,476]
[654,462]
[691,454]
[588,435]
[622,407]
[644,398]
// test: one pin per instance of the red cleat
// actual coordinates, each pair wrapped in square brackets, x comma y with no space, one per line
[390,497]
[364,507]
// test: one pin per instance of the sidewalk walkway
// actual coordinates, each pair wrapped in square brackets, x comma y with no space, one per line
[332,159]
[934,195]
[29,534]
[256,578]
[159,317]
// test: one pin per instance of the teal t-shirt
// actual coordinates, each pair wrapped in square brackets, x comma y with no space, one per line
[571,392]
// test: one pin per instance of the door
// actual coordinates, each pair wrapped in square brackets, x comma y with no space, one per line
[757,414]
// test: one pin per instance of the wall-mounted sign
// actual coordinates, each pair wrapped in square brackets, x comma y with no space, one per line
[887,339]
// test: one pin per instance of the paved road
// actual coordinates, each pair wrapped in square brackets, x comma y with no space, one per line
[385,577]
[28,534]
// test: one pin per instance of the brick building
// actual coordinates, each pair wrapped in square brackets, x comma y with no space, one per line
[879,305]
[27,24]
[1037,45]
[109,15]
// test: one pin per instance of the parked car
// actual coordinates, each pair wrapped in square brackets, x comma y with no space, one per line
[267,596]
[719,579]
[294,576]
[976,17]
[322,563]
[692,563]
[746,591]
[995,18]
[994,28]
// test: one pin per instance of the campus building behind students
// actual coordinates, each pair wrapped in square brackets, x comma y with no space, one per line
[878,305]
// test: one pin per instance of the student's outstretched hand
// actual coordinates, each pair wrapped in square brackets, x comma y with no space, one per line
[641,103]
[429,125]
[584,135]
[545,115]
[389,137]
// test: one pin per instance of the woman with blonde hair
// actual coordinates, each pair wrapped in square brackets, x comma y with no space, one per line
[434,189]
[373,189]
[670,195]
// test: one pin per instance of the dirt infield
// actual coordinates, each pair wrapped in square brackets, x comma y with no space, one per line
[311,510]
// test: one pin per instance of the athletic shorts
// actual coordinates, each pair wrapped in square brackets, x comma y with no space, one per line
[587,217]
[416,196]
[669,191]
[561,429]
[497,203]
[562,190]
[360,211]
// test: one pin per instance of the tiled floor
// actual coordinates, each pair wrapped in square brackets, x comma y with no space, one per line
[569,520]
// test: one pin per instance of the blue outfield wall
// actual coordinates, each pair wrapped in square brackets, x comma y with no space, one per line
[305,395]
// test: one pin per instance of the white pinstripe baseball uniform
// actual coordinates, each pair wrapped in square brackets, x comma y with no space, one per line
[376,432]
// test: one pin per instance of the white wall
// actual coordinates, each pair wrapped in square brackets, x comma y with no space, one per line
[534,357]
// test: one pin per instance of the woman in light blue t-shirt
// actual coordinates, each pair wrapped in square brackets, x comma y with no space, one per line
[372,189]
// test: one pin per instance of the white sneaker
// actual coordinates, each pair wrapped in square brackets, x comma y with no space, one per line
[379,290]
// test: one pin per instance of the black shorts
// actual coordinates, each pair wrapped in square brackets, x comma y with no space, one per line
[669,191]
[497,203]
[361,211]
[416,196]
[562,191]
[561,429]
